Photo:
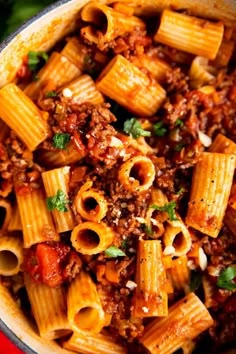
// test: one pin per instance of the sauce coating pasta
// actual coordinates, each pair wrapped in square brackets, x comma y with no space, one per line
[118,171]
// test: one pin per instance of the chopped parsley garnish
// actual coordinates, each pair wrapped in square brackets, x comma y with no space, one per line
[179,146]
[180,191]
[159,129]
[114,252]
[179,123]
[195,280]
[51,94]
[147,229]
[226,278]
[35,58]
[169,208]
[134,128]
[61,140]
[58,202]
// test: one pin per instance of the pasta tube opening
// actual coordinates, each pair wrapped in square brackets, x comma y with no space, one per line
[86,318]
[90,204]
[99,18]
[88,239]
[137,174]
[11,255]
[91,237]
[177,239]
[8,261]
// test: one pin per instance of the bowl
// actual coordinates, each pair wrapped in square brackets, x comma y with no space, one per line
[41,32]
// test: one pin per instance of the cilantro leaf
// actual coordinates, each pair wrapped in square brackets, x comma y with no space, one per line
[114,252]
[134,128]
[179,123]
[159,129]
[58,202]
[51,94]
[35,58]
[169,208]
[225,279]
[61,140]
[195,280]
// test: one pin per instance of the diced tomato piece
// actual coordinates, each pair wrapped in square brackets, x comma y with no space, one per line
[49,264]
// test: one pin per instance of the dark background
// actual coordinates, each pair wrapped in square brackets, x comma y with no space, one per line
[14,12]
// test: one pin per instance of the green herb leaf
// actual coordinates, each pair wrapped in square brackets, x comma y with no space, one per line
[169,208]
[134,128]
[148,229]
[195,280]
[34,58]
[61,140]
[114,252]
[180,191]
[225,279]
[179,146]
[51,94]
[159,129]
[58,202]
[179,123]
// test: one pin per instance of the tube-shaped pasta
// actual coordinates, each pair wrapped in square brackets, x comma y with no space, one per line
[177,238]
[93,343]
[60,157]
[223,145]
[137,174]
[75,52]
[190,34]
[109,23]
[82,90]
[11,255]
[138,144]
[37,223]
[211,184]
[85,312]
[155,66]
[150,297]
[6,213]
[54,181]
[15,221]
[200,72]
[155,219]
[188,347]
[187,319]
[22,116]
[91,237]
[49,308]
[55,73]
[224,54]
[179,274]
[90,203]
[125,83]
[209,292]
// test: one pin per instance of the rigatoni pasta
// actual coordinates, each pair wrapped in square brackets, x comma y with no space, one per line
[190,34]
[85,312]
[212,181]
[27,121]
[150,297]
[111,22]
[189,314]
[123,82]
